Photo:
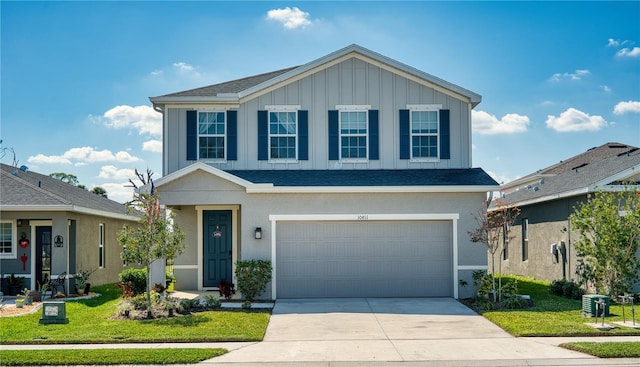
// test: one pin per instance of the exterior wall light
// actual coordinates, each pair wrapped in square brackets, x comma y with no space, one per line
[258,233]
[58,241]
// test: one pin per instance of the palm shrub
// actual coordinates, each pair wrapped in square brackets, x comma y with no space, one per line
[252,277]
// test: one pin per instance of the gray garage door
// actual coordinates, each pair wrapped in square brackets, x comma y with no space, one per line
[364,259]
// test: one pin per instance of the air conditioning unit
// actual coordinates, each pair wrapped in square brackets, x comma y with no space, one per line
[590,306]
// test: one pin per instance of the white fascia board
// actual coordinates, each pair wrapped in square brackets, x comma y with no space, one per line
[210,105]
[67,208]
[270,189]
[227,97]
[627,173]
[362,217]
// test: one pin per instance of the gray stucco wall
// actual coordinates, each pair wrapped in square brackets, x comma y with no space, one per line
[351,82]
[203,189]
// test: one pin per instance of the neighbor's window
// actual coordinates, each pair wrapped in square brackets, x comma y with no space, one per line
[8,239]
[525,239]
[211,135]
[353,134]
[283,133]
[505,242]
[101,259]
[424,134]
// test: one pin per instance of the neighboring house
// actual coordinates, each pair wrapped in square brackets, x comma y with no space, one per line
[68,228]
[543,242]
[351,174]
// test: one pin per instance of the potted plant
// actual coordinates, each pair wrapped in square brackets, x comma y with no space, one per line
[20,302]
[82,281]
[14,284]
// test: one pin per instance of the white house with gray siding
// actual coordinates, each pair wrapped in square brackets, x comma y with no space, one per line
[351,174]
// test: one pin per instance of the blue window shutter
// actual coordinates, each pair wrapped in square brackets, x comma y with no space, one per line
[405,135]
[334,136]
[263,135]
[303,135]
[374,145]
[232,135]
[445,138]
[192,135]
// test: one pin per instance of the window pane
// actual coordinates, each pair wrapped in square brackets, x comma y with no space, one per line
[424,122]
[354,146]
[5,238]
[424,146]
[282,123]
[283,147]
[211,147]
[211,123]
[353,122]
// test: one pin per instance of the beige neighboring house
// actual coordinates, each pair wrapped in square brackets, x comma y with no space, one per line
[67,229]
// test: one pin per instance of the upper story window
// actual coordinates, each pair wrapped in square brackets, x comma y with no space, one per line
[283,134]
[353,134]
[424,133]
[8,239]
[211,135]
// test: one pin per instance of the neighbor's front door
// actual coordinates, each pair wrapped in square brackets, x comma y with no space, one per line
[217,247]
[43,254]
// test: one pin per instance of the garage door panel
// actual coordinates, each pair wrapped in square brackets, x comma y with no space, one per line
[364,259]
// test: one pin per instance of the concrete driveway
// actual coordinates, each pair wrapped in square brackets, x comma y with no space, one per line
[389,330]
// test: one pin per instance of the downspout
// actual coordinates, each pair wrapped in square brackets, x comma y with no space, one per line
[160,110]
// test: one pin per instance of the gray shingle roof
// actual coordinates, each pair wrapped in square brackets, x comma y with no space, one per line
[406,177]
[581,172]
[233,86]
[31,189]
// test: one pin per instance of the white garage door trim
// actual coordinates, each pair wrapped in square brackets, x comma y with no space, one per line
[275,218]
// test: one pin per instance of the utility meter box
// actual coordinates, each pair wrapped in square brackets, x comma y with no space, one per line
[54,313]
[591,308]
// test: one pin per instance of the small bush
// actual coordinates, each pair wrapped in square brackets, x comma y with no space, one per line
[190,304]
[253,277]
[134,280]
[212,301]
[226,289]
[513,302]
[566,288]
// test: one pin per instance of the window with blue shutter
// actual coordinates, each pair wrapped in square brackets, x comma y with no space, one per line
[334,136]
[232,135]
[445,138]
[192,135]
[405,135]
[374,150]
[263,135]
[303,135]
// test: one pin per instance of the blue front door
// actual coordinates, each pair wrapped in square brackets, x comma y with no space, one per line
[217,247]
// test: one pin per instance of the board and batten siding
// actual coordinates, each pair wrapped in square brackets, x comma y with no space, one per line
[351,82]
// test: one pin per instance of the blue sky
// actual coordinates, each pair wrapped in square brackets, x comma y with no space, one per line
[556,78]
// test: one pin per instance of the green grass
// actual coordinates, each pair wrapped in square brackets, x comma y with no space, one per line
[107,356]
[606,349]
[90,321]
[553,315]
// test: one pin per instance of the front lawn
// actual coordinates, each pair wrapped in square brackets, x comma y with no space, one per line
[90,321]
[553,315]
[606,349]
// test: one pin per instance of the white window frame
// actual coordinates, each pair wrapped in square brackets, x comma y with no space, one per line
[283,108]
[14,249]
[101,259]
[424,108]
[353,108]
[224,136]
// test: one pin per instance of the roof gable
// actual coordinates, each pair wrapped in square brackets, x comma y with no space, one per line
[250,87]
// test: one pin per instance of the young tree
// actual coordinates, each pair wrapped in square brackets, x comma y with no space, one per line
[156,237]
[494,229]
[609,227]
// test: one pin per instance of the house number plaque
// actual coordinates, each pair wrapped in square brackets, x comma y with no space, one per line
[363,217]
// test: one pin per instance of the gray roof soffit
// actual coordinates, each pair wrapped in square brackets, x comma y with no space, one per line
[603,167]
[267,80]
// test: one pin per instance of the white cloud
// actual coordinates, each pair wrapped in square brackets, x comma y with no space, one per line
[118,191]
[576,75]
[291,18]
[183,66]
[152,146]
[629,52]
[486,124]
[44,159]
[605,88]
[573,120]
[627,107]
[141,118]
[613,43]
[83,155]
[113,173]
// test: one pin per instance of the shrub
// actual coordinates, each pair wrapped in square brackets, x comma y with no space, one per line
[566,288]
[483,282]
[212,301]
[135,280]
[253,277]
[226,289]
[513,302]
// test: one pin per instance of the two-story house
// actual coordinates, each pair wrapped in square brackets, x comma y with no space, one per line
[351,174]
